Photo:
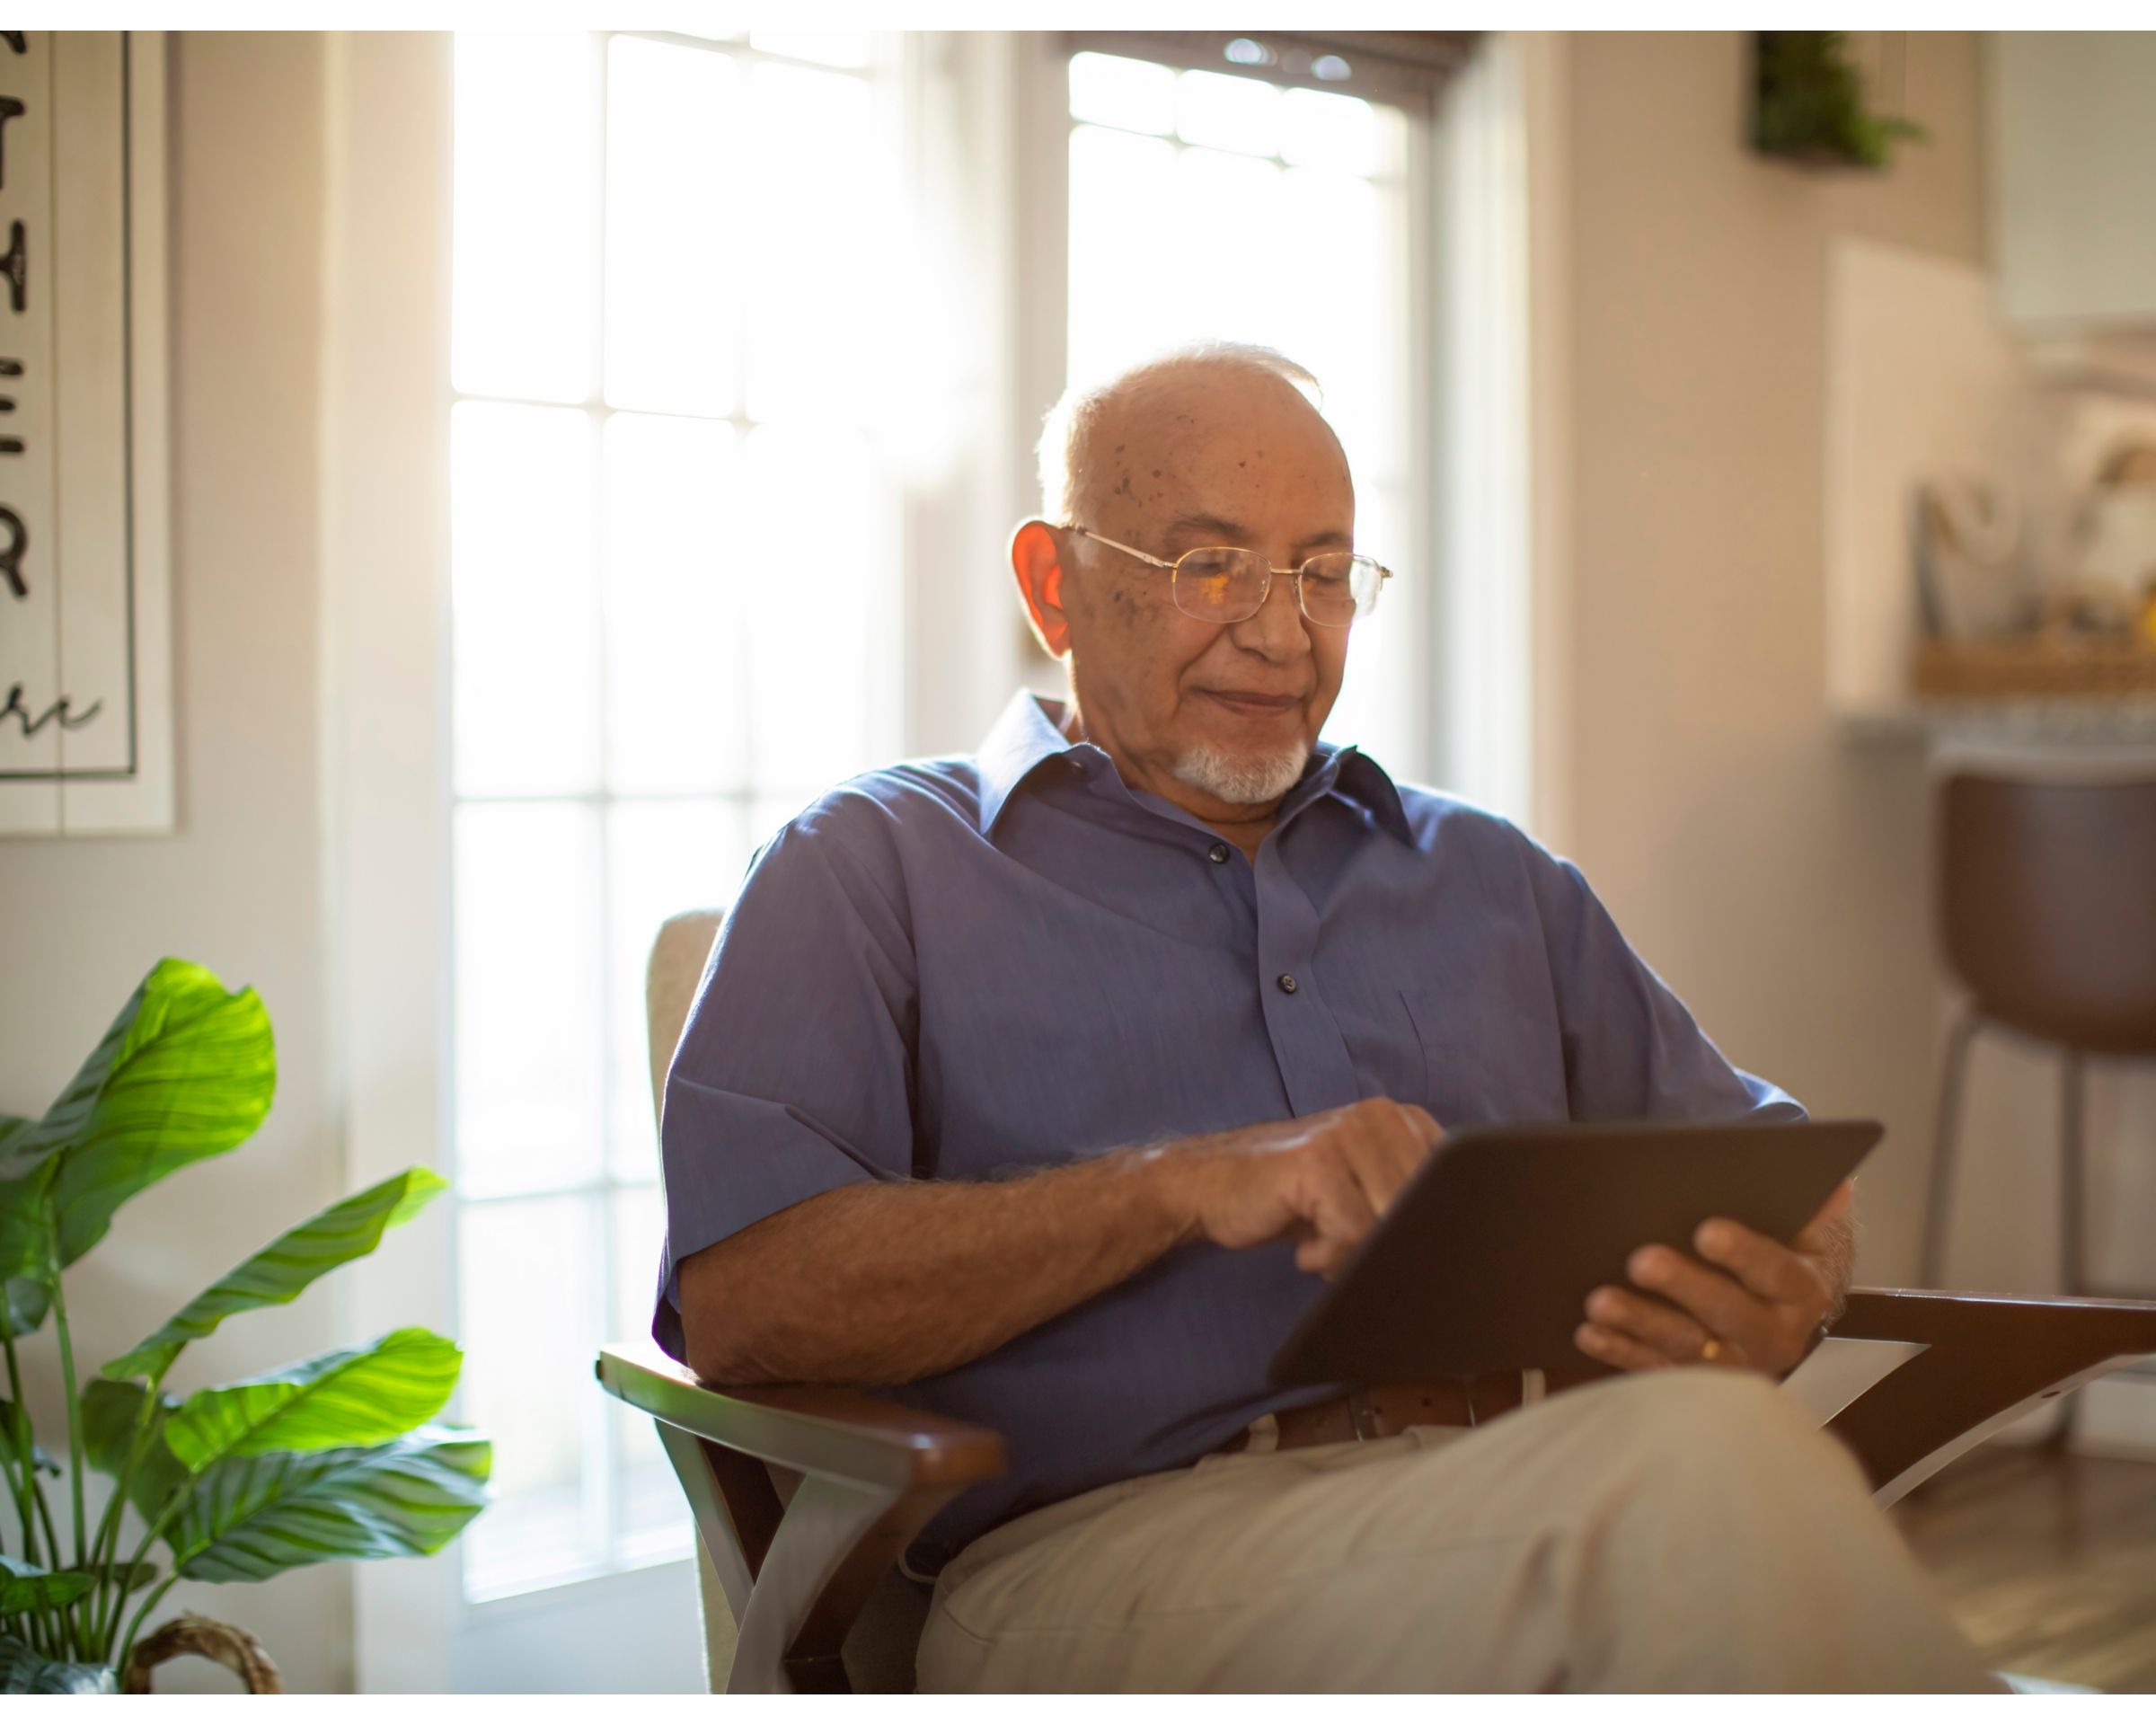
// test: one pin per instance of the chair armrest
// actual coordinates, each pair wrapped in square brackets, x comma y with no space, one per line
[811,1428]
[797,1574]
[1986,1359]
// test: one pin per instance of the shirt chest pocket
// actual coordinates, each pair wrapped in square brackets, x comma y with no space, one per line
[1483,1064]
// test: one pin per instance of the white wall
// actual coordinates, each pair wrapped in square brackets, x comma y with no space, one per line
[1774,872]
[239,888]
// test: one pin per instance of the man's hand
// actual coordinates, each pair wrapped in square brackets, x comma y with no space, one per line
[1323,1179]
[1758,1303]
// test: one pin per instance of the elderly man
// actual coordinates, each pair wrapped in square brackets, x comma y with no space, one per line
[1041,1087]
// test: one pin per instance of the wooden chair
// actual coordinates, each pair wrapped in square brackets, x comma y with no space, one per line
[804,1497]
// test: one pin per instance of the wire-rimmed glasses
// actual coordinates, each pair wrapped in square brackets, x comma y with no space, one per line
[1226,584]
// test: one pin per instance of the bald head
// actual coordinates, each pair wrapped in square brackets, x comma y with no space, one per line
[1103,440]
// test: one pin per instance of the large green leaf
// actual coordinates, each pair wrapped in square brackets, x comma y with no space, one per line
[109,1411]
[282,1268]
[355,1395]
[18,1436]
[26,1672]
[23,1302]
[13,1135]
[185,1073]
[24,1587]
[26,1177]
[253,1516]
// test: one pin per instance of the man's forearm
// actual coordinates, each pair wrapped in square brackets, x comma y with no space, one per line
[883,1284]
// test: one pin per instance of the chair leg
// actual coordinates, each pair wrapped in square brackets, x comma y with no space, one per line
[2073,1274]
[2073,1204]
[1935,1212]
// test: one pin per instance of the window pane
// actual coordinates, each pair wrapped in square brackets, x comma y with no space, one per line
[828,46]
[524,599]
[531,1297]
[1323,131]
[527,215]
[767,815]
[814,273]
[1228,112]
[1125,251]
[676,638]
[653,1516]
[1376,704]
[1234,198]
[673,178]
[806,575]
[661,857]
[1111,91]
[529,1028]
[1342,318]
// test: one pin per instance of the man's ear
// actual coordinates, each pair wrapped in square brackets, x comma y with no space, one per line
[1037,560]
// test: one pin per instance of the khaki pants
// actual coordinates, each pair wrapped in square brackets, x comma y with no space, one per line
[1678,1530]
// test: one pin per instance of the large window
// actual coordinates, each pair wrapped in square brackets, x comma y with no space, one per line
[669,552]
[1214,205]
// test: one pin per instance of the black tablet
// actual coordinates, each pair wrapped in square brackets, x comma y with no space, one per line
[1485,1261]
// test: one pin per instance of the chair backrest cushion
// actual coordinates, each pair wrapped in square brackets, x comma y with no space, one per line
[879,1651]
[2048,906]
[670,983]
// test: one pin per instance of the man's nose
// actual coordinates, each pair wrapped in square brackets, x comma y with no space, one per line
[1277,628]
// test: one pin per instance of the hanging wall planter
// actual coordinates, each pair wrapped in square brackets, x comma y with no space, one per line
[1808,103]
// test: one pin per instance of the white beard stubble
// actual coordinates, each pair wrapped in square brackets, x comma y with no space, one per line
[1241,778]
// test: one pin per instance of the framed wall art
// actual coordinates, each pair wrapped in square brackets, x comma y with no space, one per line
[85,651]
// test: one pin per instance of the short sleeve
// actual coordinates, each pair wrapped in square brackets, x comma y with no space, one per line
[794,1073]
[1631,1050]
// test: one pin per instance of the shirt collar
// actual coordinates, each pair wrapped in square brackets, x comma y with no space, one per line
[1030,732]
[1361,783]
[1026,735]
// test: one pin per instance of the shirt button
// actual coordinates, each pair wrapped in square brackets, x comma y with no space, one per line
[1219,853]
[1287,983]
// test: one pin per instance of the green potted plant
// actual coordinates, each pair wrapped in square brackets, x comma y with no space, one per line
[333,1457]
[1808,103]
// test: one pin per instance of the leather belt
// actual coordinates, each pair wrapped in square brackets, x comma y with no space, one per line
[1387,1410]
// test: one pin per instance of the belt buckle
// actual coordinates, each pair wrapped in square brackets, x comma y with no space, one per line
[1362,1416]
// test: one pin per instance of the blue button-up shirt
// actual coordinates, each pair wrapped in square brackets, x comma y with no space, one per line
[958,969]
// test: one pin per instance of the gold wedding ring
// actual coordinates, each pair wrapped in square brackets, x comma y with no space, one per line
[1711,1351]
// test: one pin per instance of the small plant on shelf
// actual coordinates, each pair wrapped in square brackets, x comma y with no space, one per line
[1808,103]
[333,1457]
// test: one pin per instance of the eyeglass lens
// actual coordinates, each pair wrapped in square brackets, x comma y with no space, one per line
[1222,585]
